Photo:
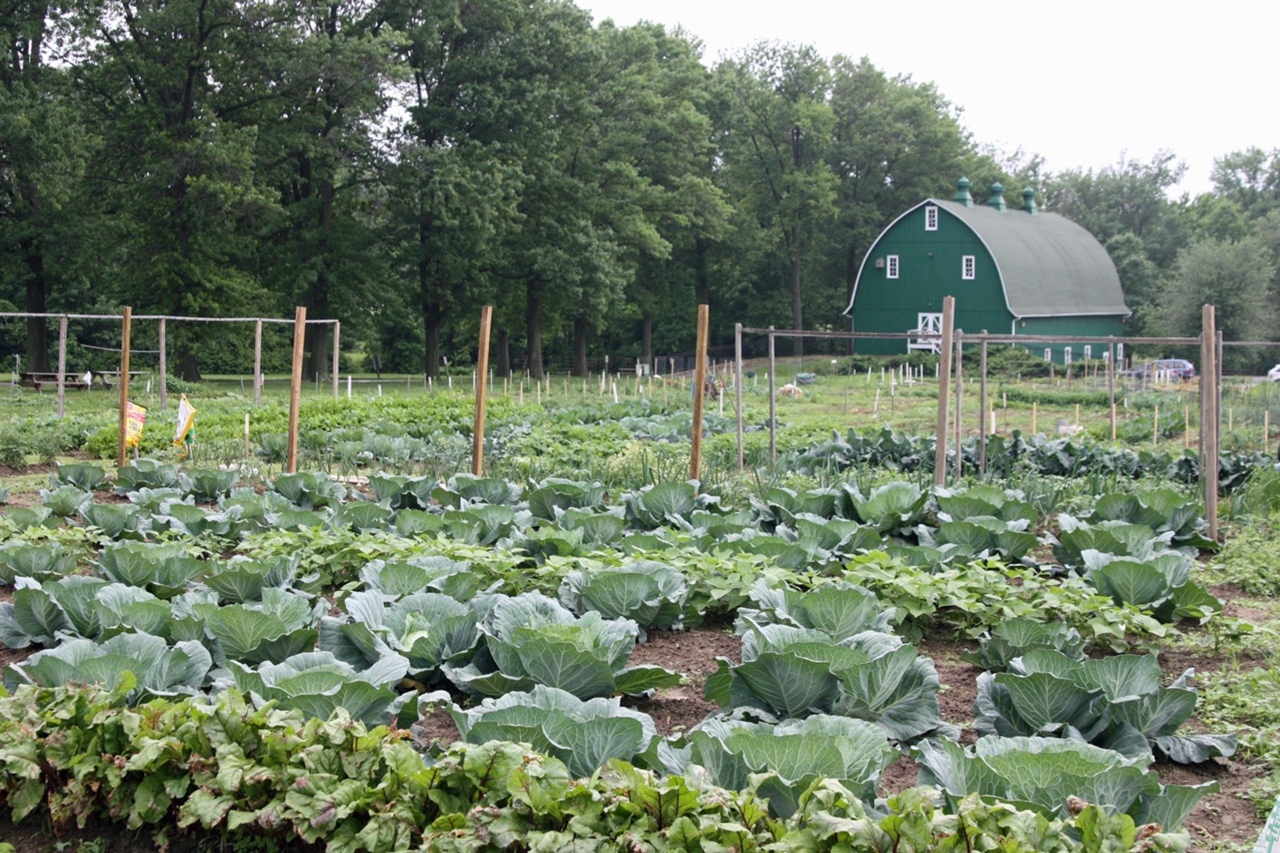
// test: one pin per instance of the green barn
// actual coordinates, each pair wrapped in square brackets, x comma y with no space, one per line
[1011,270]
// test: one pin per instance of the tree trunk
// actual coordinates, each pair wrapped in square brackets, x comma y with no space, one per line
[580,345]
[850,279]
[646,338]
[432,320]
[533,326]
[188,365]
[703,288]
[503,359]
[797,318]
[37,303]
[318,299]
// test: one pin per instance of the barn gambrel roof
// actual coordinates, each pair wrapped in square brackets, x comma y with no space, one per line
[1049,266]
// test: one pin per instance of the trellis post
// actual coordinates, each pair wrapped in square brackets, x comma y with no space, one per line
[295,385]
[944,377]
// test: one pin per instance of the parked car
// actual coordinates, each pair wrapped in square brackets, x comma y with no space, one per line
[1163,368]
[1274,373]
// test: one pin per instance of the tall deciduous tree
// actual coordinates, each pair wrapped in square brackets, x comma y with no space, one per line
[775,149]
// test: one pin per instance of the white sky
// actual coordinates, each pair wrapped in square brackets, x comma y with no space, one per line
[1079,83]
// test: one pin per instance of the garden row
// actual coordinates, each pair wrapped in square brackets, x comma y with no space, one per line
[447,601]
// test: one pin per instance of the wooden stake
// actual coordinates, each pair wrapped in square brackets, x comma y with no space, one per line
[62,363]
[482,371]
[295,384]
[699,389]
[773,403]
[1186,427]
[1210,374]
[257,362]
[1111,384]
[333,372]
[983,405]
[737,386]
[1155,426]
[126,329]
[1034,418]
[959,418]
[164,370]
[944,377]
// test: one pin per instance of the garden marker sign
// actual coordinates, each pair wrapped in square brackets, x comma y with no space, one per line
[1269,840]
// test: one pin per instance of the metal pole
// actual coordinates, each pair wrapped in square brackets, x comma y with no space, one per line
[944,376]
[337,332]
[482,387]
[164,368]
[982,409]
[125,332]
[699,392]
[737,385]
[257,362]
[62,365]
[773,403]
[295,384]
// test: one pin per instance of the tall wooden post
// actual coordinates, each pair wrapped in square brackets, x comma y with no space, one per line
[126,329]
[62,365]
[699,392]
[737,385]
[257,362]
[959,418]
[337,333]
[944,377]
[482,388]
[982,407]
[295,383]
[773,403]
[1111,384]
[164,367]
[1209,416]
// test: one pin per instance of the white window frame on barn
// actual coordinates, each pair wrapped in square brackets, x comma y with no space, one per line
[931,218]
[1088,352]
[891,266]
[969,267]
[1066,355]
[1048,354]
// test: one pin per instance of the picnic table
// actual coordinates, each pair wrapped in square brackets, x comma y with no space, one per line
[38,379]
[109,378]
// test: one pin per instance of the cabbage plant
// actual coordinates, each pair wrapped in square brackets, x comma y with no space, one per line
[280,625]
[651,594]
[582,734]
[1116,702]
[428,629]
[794,754]
[318,684]
[145,474]
[85,476]
[164,570]
[420,574]
[40,561]
[1042,773]
[142,665]
[840,610]
[1013,638]
[795,672]
[531,639]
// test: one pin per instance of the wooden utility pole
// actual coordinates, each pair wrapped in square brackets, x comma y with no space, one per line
[337,332]
[126,325]
[699,393]
[1111,385]
[295,384]
[944,378]
[959,418]
[482,388]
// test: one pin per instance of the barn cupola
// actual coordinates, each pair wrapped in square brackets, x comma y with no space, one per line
[996,199]
[962,193]
[1029,200]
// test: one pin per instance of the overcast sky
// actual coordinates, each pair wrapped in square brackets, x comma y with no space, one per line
[1079,83]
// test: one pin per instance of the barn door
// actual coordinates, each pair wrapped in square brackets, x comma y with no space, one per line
[926,324]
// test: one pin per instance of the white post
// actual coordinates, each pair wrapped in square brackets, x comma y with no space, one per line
[348,386]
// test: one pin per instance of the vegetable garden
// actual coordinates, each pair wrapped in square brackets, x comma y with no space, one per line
[585,651]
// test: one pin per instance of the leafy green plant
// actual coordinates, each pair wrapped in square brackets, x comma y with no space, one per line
[1013,638]
[309,490]
[664,504]
[793,754]
[796,672]
[531,639]
[40,561]
[164,570]
[65,501]
[136,665]
[1115,702]
[840,610]
[207,485]
[85,476]
[145,474]
[585,735]
[650,593]
[318,684]
[1045,773]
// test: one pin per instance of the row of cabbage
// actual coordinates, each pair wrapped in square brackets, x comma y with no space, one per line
[1066,456]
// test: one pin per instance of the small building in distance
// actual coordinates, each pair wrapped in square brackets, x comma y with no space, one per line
[1017,271]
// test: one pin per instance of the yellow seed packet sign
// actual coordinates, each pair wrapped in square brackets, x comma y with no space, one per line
[135,419]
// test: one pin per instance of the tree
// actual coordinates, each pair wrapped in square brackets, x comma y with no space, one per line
[775,146]
[1250,178]
[1234,276]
